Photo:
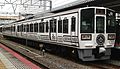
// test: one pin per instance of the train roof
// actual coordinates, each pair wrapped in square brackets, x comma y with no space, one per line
[52,15]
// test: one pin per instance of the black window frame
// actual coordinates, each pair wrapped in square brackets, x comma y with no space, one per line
[31,27]
[14,28]
[60,24]
[27,28]
[0,29]
[100,28]
[18,28]
[47,27]
[73,24]
[24,29]
[36,27]
[51,25]
[65,25]
[41,27]
[111,19]
[54,27]
[87,16]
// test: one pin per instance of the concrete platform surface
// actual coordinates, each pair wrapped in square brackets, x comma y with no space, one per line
[11,60]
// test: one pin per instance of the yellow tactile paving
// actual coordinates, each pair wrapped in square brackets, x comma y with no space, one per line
[2,65]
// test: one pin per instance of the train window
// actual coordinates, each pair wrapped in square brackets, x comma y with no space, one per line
[54,25]
[51,25]
[24,29]
[41,27]
[31,27]
[11,29]
[36,27]
[7,28]
[47,26]
[14,28]
[4,29]
[100,24]
[65,25]
[59,26]
[87,21]
[18,28]
[1,29]
[110,22]
[27,27]
[73,23]
[100,11]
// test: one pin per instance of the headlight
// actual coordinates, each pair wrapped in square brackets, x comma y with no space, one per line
[111,36]
[86,36]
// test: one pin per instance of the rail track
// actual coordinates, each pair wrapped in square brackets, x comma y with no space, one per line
[53,61]
[103,65]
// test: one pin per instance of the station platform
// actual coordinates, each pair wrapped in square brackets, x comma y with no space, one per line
[11,60]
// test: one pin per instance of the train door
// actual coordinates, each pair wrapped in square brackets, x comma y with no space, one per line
[18,30]
[73,29]
[52,32]
[29,30]
[36,30]
[86,29]
[100,30]
[73,23]
[46,28]
[21,29]
[66,29]
[64,34]
[60,30]
[24,30]
[13,29]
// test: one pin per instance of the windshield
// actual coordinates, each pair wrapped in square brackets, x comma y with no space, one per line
[87,21]
[110,22]
[99,24]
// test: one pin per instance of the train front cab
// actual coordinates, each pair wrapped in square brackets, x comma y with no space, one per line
[97,33]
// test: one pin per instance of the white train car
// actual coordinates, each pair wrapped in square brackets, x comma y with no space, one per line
[1,30]
[89,30]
